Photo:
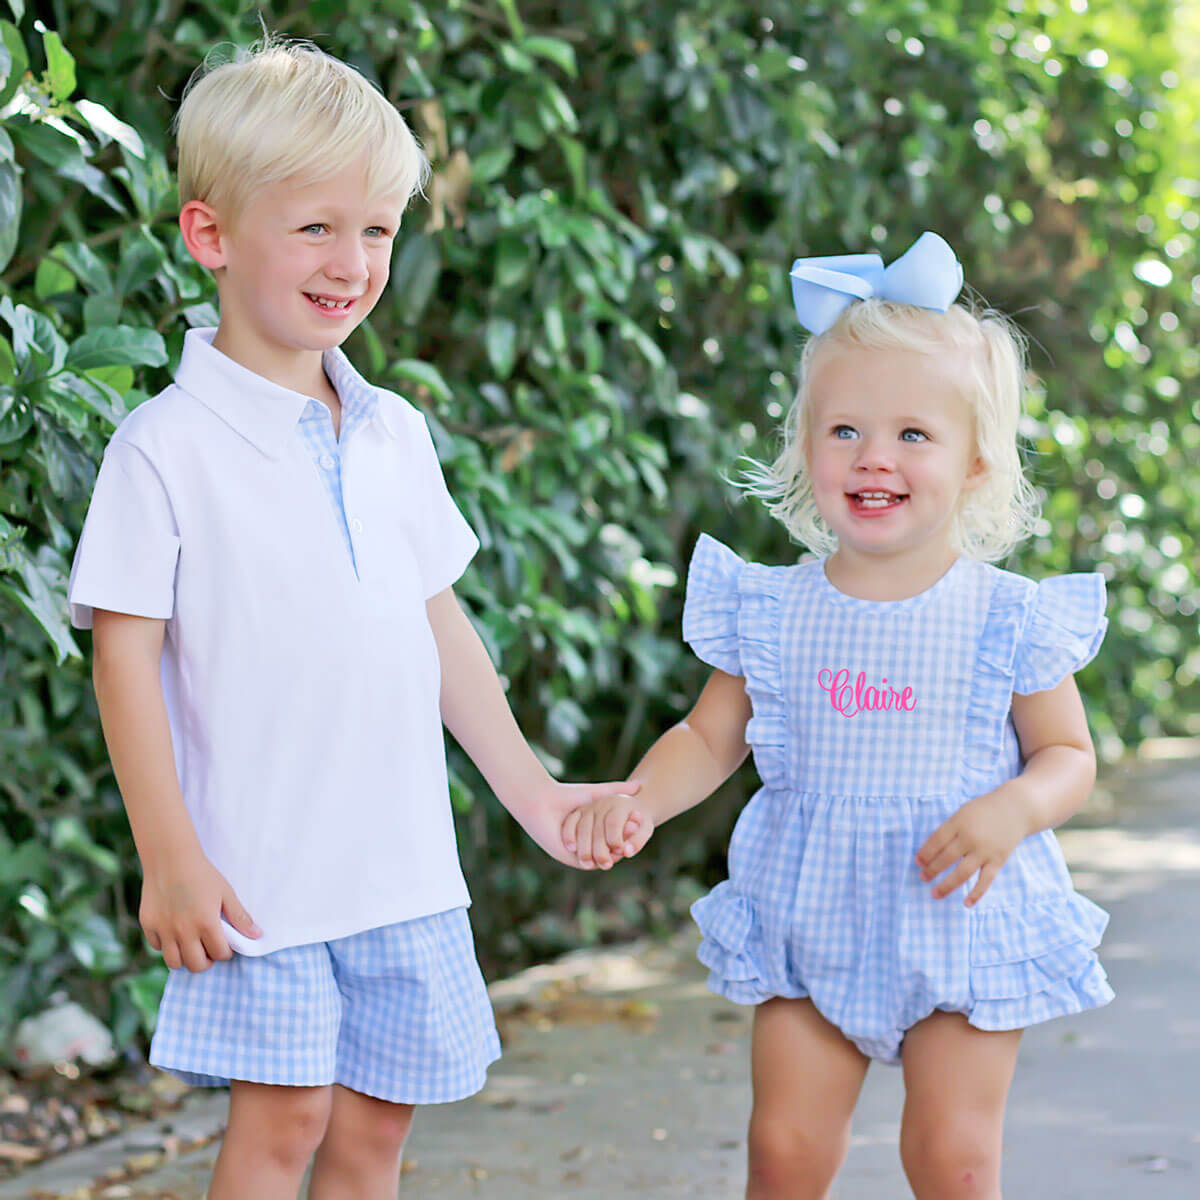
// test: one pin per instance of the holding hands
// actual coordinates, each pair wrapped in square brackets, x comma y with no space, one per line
[605,830]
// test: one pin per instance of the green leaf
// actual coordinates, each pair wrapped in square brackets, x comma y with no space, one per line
[108,127]
[491,163]
[86,265]
[52,279]
[38,348]
[16,415]
[114,345]
[415,275]
[10,35]
[10,210]
[514,261]
[18,8]
[557,51]
[95,944]
[424,374]
[500,338]
[44,598]
[69,836]
[60,66]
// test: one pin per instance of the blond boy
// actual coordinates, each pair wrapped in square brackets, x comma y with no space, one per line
[267,567]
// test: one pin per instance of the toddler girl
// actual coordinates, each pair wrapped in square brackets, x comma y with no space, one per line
[894,891]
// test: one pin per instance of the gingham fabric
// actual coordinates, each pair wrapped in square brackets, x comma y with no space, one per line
[872,723]
[359,402]
[399,1012]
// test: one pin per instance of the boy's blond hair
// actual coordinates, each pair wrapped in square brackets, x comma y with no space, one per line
[990,350]
[282,110]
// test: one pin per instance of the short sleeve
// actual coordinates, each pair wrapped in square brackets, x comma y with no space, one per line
[710,609]
[443,541]
[1063,632]
[126,558]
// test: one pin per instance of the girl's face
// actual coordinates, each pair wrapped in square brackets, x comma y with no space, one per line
[891,452]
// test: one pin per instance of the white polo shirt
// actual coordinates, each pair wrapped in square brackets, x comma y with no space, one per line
[303,695]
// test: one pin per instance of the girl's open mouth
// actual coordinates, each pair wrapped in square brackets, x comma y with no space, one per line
[875,503]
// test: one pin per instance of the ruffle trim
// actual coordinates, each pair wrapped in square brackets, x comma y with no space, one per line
[1065,629]
[731,620]
[990,695]
[710,606]
[1036,962]
[731,947]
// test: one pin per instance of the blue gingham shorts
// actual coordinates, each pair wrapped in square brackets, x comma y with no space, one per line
[400,1013]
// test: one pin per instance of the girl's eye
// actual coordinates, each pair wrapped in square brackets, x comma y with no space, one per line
[378,231]
[844,433]
[315,228]
[913,435]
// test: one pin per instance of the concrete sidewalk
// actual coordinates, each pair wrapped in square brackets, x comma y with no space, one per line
[621,1073]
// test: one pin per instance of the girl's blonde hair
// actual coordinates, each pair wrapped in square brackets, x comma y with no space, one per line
[285,109]
[992,518]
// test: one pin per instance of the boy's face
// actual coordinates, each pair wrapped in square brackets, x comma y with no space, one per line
[303,264]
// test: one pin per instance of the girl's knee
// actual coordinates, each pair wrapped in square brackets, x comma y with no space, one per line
[949,1158]
[785,1160]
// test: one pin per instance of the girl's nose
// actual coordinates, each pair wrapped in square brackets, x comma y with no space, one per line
[874,455]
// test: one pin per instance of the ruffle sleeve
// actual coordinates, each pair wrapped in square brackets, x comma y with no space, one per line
[710,608]
[1064,630]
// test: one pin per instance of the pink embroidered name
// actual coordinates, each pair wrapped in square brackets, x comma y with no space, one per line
[852,698]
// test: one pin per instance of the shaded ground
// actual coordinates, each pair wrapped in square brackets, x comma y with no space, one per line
[622,1073]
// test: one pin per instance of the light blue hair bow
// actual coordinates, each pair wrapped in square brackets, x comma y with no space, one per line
[927,274]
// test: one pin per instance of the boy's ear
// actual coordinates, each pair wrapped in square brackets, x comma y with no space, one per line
[202,234]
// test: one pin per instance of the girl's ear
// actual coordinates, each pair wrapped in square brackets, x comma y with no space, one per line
[977,473]
[202,234]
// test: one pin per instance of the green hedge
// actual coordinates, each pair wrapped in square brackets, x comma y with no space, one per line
[593,311]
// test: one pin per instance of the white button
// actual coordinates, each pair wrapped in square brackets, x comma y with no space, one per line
[356,525]
[327,461]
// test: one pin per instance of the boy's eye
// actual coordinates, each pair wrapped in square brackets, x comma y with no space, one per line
[913,435]
[844,433]
[378,231]
[315,228]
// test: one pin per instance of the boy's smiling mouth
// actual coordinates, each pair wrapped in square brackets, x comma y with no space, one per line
[331,303]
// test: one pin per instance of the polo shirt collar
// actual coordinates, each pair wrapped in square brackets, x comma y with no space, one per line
[264,413]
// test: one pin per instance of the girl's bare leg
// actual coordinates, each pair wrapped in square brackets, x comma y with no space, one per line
[806,1078]
[956,1080]
[273,1132]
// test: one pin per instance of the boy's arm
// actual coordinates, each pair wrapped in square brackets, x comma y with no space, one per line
[475,710]
[1054,783]
[183,895]
[685,766]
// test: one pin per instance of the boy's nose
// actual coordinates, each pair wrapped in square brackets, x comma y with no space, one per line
[348,262]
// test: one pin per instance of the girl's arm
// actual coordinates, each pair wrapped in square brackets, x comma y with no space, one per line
[685,766]
[475,710]
[183,894]
[1060,768]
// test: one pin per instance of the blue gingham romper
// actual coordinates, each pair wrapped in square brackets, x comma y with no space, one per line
[872,723]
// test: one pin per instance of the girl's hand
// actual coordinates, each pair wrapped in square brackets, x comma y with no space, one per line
[979,837]
[606,830]
[544,817]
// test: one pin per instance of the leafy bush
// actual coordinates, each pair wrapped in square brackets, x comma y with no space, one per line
[593,310]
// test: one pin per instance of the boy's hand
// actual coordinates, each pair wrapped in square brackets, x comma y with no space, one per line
[607,829]
[544,816]
[978,837]
[181,913]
